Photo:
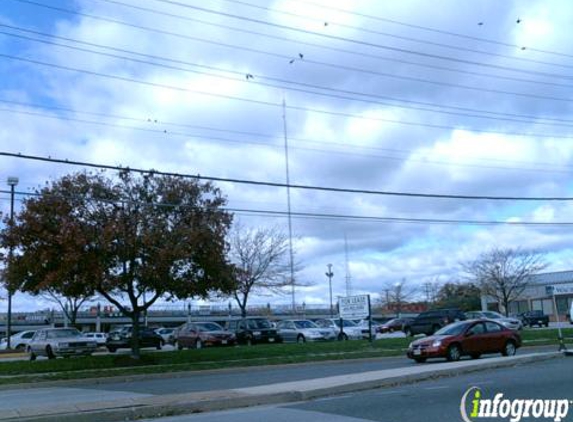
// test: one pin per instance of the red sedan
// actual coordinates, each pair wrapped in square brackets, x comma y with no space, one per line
[199,334]
[473,338]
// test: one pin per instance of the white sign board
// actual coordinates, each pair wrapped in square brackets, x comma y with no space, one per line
[563,289]
[354,307]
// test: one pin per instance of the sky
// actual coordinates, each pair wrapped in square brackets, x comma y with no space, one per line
[406,97]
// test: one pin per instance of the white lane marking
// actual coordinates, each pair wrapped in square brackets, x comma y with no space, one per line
[438,387]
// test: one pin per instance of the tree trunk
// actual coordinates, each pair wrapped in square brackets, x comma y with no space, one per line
[135,352]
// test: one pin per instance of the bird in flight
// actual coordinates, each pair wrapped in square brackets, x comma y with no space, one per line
[301,55]
[480,23]
[518,21]
[249,76]
[291,61]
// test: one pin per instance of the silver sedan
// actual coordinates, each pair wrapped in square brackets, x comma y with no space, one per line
[52,342]
[302,330]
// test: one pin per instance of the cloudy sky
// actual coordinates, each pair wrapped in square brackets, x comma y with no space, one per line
[402,96]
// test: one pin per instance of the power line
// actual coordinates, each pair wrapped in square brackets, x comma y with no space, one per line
[282,185]
[565,169]
[268,103]
[553,169]
[327,36]
[331,216]
[330,23]
[255,80]
[282,56]
[434,30]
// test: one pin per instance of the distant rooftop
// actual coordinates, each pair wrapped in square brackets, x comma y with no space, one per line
[558,277]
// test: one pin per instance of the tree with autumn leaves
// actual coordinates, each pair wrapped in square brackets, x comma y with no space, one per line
[132,239]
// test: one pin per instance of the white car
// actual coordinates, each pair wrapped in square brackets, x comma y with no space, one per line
[53,342]
[169,335]
[303,330]
[511,323]
[350,331]
[99,338]
[18,341]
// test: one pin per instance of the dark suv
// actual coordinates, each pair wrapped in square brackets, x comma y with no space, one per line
[431,321]
[532,318]
[254,330]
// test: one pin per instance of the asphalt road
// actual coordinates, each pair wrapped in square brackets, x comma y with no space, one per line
[436,400]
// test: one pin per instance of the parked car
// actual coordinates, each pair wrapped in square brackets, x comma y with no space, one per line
[99,338]
[53,342]
[303,330]
[349,329]
[366,329]
[123,338]
[18,341]
[473,338]
[571,314]
[169,335]
[511,323]
[531,318]
[395,324]
[431,321]
[253,330]
[200,334]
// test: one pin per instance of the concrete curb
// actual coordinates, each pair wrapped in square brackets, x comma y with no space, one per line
[177,404]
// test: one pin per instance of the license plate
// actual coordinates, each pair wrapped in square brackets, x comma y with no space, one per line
[223,341]
[417,352]
[271,339]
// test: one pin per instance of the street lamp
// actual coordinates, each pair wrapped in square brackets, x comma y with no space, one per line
[12,182]
[329,274]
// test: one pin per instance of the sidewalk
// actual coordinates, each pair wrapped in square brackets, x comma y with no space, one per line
[119,407]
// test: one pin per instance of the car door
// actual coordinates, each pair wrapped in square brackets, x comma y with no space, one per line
[495,336]
[38,342]
[289,331]
[475,339]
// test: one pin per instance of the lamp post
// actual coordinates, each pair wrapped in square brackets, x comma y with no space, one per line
[12,182]
[330,274]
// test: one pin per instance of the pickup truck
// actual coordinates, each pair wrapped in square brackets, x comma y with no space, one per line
[532,318]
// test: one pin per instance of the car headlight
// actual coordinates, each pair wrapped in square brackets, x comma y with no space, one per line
[411,345]
[437,343]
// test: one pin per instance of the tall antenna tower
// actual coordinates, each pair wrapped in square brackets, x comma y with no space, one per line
[348,278]
[289,209]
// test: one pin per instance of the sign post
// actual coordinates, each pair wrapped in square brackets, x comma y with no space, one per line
[550,290]
[355,307]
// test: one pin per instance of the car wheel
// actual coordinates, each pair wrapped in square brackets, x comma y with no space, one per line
[420,360]
[300,339]
[509,349]
[32,356]
[475,355]
[50,353]
[198,344]
[179,346]
[408,332]
[162,343]
[111,349]
[390,330]
[249,341]
[454,353]
[159,345]
[20,347]
[546,324]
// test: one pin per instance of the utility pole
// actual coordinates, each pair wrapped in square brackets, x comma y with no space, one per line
[12,182]
[289,209]
[348,281]
[330,274]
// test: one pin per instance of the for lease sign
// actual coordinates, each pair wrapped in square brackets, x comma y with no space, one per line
[354,307]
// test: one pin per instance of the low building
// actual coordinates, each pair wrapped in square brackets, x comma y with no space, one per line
[537,296]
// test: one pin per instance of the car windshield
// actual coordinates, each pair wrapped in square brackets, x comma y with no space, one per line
[259,323]
[345,323]
[492,315]
[452,329]
[69,332]
[305,324]
[208,326]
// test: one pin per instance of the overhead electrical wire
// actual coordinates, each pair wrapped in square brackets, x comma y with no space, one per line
[430,29]
[260,34]
[272,104]
[332,216]
[162,132]
[256,77]
[321,35]
[284,185]
[554,168]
